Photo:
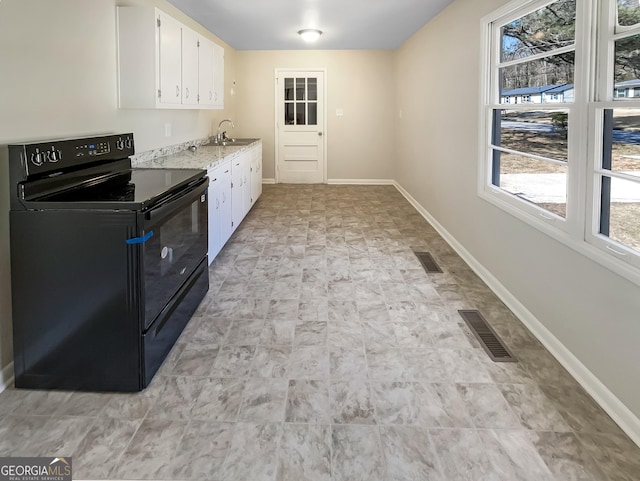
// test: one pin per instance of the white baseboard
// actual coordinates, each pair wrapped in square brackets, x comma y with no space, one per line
[618,411]
[361,182]
[6,377]
[347,181]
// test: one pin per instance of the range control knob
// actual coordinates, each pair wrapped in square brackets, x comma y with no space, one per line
[128,143]
[37,158]
[54,155]
[119,144]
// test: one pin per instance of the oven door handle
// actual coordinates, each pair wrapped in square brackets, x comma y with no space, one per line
[177,201]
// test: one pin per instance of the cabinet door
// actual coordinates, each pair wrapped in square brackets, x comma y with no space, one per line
[237,192]
[189,66]
[224,177]
[246,182]
[215,243]
[205,72]
[218,77]
[256,175]
[170,51]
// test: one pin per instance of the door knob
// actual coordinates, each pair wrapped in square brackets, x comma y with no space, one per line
[319,134]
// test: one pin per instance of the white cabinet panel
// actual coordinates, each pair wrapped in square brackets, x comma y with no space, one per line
[205,73]
[190,66]
[237,191]
[169,34]
[215,243]
[220,228]
[218,77]
[246,182]
[226,228]
[256,173]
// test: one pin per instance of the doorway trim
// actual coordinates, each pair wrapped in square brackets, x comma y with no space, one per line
[277,72]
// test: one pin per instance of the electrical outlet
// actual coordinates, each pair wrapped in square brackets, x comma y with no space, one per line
[339,112]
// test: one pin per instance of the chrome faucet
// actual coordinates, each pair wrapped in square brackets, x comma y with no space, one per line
[220,137]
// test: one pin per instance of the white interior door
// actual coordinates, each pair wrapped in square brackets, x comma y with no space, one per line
[300,127]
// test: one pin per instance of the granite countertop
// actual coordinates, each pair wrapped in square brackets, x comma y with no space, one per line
[204,157]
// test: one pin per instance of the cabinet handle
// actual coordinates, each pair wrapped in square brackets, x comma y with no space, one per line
[187,91]
[177,90]
[210,95]
[217,203]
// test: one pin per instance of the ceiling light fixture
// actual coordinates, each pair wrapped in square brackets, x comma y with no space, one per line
[310,34]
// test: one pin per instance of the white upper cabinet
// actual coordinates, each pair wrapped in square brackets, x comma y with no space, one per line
[205,73]
[190,66]
[218,77]
[169,40]
[164,64]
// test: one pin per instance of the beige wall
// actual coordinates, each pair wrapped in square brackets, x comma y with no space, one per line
[591,310]
[58,78]
[359,144]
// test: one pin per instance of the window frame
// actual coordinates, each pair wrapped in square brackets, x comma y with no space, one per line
[593,92]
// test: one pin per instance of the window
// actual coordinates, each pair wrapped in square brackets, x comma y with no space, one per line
[620,93]
[300,101]
[540,160]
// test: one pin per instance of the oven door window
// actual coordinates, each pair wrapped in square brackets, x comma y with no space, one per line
[178,245]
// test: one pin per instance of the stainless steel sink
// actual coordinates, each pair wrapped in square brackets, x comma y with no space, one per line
[231,142]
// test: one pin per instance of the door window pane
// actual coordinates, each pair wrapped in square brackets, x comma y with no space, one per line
[289,116]
[300,89]
[312,89]
[288,89]
[542,133]
[313,113]
[541,183]
[300,113]
[628,12]
[546,29]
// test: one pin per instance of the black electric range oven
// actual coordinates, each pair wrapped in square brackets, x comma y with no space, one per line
[108,262]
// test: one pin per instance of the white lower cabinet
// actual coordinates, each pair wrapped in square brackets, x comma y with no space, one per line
[256,173]
[226,226]
[234,186]
[237,191]
[219,208]
[246,182]
[214,214]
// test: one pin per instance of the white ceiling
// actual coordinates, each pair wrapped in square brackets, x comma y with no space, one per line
[346,24]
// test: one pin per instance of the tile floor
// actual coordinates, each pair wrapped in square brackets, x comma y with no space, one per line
[323,352]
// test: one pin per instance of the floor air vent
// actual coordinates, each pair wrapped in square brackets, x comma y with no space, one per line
[490,341]
[428,262]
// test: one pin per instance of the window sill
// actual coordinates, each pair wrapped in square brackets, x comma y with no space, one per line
[553,229]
